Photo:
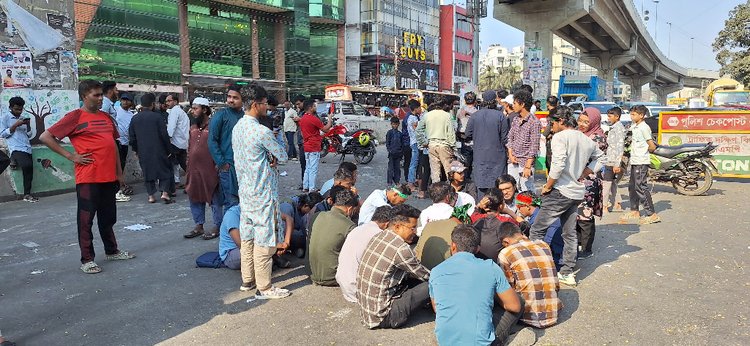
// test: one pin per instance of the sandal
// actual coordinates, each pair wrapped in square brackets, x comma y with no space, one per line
[91,268]
[151,199]
[167,200]
[209,236]
[120,256]
[197,231]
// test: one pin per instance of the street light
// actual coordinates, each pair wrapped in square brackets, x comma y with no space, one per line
[656,21]
[692,49]
[669,45]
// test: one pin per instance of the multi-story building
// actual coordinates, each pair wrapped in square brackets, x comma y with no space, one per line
[457,47]
[287,45]
[566,61]
[499,56]
[393,43]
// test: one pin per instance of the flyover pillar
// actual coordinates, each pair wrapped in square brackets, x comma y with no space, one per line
[606,63]
[636,83]
[662,91]
[537,62]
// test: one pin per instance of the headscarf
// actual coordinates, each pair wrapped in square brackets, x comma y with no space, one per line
[595,122]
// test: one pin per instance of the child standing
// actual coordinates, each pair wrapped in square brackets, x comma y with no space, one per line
[394,145]
[642,144]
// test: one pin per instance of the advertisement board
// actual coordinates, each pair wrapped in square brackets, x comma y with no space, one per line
[729,129]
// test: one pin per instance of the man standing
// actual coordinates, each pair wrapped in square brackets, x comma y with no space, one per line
[412,119]
[220,144]
[298,101]
[110,96]
[327,237]
[93,135]
[178,128]
[465,318]
[523,141]
[463,120]
[150,141]
[488,128]
[256,154]
[311,126]
[17,133]
[124,117]
[441,138]
[290,129]
[574,156]
[384,293]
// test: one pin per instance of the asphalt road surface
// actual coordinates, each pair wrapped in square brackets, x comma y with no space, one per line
[684,281]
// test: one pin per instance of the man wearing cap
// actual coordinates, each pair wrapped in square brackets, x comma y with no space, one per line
[393,196]
[124,116]
[488,128]
[459,182]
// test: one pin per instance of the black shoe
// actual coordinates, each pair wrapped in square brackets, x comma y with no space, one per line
[585,254]
[247,286]
[281,262]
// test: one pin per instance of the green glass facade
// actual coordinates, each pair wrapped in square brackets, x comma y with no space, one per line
[137,41]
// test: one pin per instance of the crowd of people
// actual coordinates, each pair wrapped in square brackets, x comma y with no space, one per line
[485,255]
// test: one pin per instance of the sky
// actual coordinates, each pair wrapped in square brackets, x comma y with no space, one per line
[702,19]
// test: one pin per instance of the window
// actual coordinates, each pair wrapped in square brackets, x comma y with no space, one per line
[461,68]
[463,23]
[463,46]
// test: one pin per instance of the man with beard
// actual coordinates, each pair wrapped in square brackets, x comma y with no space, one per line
[150,141]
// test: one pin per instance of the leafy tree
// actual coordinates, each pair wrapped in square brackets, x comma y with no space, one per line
[732,46]
[493,78]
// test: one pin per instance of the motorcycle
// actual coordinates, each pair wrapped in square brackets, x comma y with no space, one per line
[360,143]
[689,167]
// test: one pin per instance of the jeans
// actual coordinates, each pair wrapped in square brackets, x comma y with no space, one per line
[311,170]
[412,176]
[233,260]
[524,184]
[468,153]
[299,239]
[302,161]
[198,209]
[406,150]
[179,160]
[123,156]
[96,199]
[424,171]
[280,138]
[554,206]
[394,169]
[505,320]
[402,307]
[229,196]
[26,164]
[291,150]
[638,189]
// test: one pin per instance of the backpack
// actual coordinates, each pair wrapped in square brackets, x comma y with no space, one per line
[209,259]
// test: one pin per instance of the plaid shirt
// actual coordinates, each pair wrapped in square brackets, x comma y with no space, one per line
[531,271]
[524,137]
[385,263]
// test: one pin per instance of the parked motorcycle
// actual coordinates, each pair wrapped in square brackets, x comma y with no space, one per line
[689,167]
[360,143]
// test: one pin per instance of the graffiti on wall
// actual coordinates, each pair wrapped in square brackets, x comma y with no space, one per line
[45,107]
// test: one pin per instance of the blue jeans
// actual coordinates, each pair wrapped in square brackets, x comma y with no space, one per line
[291,150]
[228,192]
[311,170]
[198,209]
[280,138]
[413,164]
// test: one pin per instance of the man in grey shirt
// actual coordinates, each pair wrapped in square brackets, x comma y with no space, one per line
[574,156]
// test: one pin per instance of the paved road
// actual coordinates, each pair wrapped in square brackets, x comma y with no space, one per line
[684,281]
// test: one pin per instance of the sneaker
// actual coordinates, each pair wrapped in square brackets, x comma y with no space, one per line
[247,286]
[629,217]
[647,220]
[299,253]
[30,199]
[121,197]
[585,254]
[569,279]
[283,174]
[273,293]
[120,256]
[294,159]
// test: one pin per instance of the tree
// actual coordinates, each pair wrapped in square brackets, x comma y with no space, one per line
[732,46]
[496,78]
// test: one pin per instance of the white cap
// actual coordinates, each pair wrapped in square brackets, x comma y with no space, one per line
[201,101]
[509,99]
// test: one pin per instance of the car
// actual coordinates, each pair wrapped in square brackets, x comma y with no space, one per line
[602,106]
[652,116]
[624,119]
[341,108]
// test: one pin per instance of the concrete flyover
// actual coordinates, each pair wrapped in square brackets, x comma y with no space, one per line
[611,36]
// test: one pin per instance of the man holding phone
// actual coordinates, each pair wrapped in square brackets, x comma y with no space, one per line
[16,130]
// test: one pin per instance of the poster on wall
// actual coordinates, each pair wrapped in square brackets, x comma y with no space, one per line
[47,71]
[61,23]
[68,68]
[6,28]
[16,67]
[44,107]
[417,75]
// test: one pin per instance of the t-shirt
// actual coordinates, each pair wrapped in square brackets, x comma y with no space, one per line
[639,146]
[231,220]
[291,210]
[435,212]
[326,239]
[464,289]
[376,199]
[326,186]
[434,246]
[350,256]
[93,133]
[411,126]
[310,126]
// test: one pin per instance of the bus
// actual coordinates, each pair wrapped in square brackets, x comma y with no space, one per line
[370,97]
[428,97]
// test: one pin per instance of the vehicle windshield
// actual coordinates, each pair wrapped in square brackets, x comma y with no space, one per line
[656,111]
[602,107]
[732,97]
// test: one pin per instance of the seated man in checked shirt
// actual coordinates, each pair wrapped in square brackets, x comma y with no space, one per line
[530,270]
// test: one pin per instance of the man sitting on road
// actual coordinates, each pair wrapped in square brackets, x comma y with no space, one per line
[378,198]
[433,247]
[387,299]
[353,248]
[444,199]
[346,165]
[529,267]
[463,290]
[293,214]
[229,238]
[327,238]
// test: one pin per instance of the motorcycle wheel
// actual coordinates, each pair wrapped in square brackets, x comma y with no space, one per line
[698,183]
[365,155]
[324,145]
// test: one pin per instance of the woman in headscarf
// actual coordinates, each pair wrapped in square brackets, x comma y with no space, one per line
[589,122]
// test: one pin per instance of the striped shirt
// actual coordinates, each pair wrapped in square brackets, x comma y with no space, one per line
[524,137]
[385,264]
[530,270]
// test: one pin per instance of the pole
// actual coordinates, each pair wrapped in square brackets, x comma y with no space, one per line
[395,63]
[669,45]
[656,21]
[692,50]
[475,44]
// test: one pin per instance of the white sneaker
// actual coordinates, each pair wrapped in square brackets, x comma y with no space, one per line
[273,293]
[569,279]
[121,197]
[283,174]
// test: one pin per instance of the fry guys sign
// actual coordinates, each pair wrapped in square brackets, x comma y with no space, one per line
[413,47]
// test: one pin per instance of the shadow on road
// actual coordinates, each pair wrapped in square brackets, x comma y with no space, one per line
[610,244]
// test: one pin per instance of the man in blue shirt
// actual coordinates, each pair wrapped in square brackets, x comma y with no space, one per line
[463,290]
[229,238]
[220,144]
[16,131]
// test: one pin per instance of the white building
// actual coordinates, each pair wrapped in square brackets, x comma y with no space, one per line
[499,56]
